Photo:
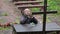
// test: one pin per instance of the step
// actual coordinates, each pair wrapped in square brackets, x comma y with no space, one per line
[29,6]
[27,2]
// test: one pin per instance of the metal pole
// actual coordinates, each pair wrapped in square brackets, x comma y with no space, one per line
[44,16]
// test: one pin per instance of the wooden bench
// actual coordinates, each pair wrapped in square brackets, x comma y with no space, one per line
[22,29]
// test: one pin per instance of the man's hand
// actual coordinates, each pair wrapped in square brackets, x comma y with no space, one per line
[30,16]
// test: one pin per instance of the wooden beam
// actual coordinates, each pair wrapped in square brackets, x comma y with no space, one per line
[27,2]
[48,12]
[30,6]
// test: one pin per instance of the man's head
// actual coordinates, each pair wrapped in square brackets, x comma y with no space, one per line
[27,12]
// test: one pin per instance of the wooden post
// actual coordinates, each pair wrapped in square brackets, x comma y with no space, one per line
[44,16]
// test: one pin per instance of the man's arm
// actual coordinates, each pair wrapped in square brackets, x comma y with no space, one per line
[34,20]
[22,20]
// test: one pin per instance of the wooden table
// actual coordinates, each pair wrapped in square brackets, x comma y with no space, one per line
[28,29]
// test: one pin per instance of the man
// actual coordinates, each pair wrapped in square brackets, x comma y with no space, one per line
[27,17]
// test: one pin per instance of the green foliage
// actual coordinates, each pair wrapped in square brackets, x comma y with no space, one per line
[2,28]
[2,20]
[5,14]
[35,9]
[54,5]
[17,20]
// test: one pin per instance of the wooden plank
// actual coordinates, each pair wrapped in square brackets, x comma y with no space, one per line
[27,2]
[38,28]
[29,6]
[48,12]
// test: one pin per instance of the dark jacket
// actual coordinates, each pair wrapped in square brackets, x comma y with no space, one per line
[26,20]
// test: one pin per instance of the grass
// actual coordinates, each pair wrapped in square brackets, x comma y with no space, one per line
[54,5]
[2,21]
[6,28]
